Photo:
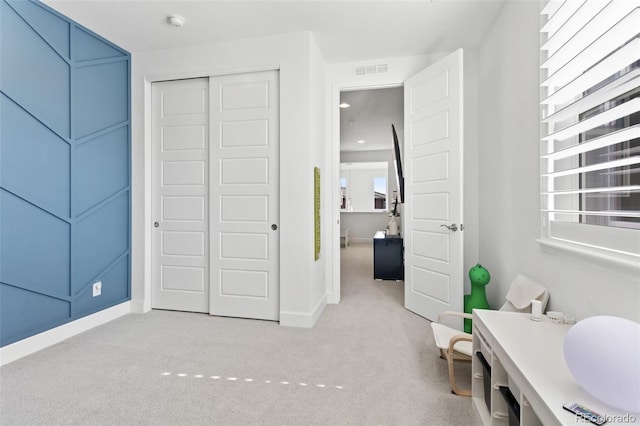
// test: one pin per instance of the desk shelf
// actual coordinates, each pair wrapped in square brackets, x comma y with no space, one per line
[527,357]
[498,412]
[527,414]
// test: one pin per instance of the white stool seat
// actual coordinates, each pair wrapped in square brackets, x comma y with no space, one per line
[443,336]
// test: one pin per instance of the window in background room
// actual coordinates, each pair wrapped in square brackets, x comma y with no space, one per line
[590,145]
[379,193]
[363,187]
[343,193]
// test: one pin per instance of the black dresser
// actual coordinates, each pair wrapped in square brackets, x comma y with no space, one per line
[388,257]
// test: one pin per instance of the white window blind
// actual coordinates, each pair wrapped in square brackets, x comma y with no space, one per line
[590,112]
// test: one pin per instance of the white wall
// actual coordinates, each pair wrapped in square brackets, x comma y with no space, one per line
[509,182]
[301,87]
[363,226]
[470,198]
[320,154]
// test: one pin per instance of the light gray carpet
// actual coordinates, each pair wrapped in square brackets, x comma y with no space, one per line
[368,361]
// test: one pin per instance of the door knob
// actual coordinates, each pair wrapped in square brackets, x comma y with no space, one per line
[156,224]
[452,228]
[274,226]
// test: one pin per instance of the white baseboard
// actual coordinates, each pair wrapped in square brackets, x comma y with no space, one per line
[48,338]
[303,319]
[360,240]
[333,298]
[137,307]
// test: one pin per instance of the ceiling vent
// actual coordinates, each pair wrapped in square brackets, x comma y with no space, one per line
[370,69]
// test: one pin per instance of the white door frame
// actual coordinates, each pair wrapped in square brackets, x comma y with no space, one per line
[141,303]
[333,267]
[400,69]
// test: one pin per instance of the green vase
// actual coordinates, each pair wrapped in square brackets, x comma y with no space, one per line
[479,277]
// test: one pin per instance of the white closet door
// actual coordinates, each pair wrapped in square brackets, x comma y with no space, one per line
[244,206]
[180,240]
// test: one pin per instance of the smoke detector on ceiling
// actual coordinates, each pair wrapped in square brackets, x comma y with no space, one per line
[175,20]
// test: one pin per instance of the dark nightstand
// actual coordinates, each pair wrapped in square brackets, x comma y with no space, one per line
[388,257]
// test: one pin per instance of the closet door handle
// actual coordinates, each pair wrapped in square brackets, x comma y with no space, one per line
[452,228]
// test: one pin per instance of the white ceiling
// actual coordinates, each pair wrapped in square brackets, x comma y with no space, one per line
[369,118]
[344,30]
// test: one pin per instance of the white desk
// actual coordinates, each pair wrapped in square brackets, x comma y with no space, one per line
[527,356]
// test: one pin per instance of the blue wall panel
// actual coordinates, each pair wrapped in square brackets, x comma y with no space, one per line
[24,313]
[34,161]
[65,182]
[112,293]
[98,240]
[101,170]
[35,247]
[98,102]
[51,28]
[29,66]
[88,48]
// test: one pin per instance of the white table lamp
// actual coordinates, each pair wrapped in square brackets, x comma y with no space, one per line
[603,354]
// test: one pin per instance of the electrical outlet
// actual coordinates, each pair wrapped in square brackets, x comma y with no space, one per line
[97,288]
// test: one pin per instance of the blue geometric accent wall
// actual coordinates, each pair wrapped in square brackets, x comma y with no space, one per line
[65,170]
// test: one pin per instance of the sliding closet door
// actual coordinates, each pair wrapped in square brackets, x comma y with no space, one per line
[215,165]
[244,206]
[180,239]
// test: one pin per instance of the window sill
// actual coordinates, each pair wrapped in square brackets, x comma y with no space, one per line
[628,262]
[367,211]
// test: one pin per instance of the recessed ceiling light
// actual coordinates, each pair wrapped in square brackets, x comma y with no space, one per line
[175,20]
[344,105]
[360,141]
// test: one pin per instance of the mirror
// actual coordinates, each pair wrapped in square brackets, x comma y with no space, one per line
[364,187]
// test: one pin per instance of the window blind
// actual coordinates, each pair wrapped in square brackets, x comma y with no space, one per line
[590,116]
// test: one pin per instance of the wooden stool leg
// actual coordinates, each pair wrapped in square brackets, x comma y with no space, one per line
[454,388]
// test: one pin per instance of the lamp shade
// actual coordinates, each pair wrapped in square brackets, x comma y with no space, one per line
[603,354]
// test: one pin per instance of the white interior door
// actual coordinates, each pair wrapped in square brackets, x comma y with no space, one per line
[433,189]
[244,206]
[180,275]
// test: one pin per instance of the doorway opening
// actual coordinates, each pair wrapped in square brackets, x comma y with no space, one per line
[432,158]
[369,184]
